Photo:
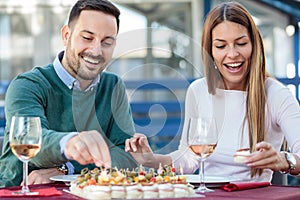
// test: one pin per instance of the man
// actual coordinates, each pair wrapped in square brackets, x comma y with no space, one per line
[84,110]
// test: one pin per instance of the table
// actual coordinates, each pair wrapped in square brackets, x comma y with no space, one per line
[274,192]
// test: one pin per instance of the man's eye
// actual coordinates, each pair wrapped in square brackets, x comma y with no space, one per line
[108,42]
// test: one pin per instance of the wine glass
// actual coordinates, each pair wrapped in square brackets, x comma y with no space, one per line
[25,139]
[202,138]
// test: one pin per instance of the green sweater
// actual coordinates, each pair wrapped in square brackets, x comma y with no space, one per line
[40,92]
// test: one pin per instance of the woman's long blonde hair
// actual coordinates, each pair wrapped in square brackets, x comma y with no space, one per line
[255,84]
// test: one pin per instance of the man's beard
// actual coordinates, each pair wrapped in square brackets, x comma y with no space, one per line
[75,65]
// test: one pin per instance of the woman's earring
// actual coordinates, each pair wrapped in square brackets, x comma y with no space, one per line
[215,66]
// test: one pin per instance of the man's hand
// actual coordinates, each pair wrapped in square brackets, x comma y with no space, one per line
[42,176]
[88,147]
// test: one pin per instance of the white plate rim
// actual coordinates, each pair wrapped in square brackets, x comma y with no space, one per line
[191,178]
[64,178]
[195,178]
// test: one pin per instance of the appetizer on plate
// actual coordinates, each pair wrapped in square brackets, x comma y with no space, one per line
[131,184]
[241,155]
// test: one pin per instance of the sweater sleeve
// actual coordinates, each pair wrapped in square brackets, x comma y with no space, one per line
[27,96]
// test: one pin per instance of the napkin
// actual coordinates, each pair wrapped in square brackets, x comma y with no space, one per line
[244,186]
[43,192]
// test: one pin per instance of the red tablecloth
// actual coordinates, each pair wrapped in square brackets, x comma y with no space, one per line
[266,193]
[58,186]
[272,192]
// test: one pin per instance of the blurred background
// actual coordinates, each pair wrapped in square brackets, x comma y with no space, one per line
[30,35]
[157,54]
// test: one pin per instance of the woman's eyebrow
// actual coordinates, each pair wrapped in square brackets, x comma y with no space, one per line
[222,40]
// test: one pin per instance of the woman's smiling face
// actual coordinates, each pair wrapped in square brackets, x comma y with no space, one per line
[231,50]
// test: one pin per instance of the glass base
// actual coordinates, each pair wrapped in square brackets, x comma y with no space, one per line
[203,189]
[25,193]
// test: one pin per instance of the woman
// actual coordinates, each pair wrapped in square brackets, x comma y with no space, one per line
[251,108]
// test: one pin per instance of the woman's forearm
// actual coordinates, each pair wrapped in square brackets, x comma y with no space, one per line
[157,160]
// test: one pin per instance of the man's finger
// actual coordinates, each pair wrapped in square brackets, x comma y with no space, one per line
[99,150]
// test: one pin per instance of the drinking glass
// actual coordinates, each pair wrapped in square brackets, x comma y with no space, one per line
[25,139]
[202,138]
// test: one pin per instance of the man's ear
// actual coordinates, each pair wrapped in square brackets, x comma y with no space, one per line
[65,34]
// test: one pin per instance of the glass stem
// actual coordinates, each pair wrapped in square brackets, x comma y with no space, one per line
[201,173]
[25,187]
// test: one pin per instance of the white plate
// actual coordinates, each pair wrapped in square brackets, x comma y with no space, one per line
[210,181]
[64,178]
[195,178]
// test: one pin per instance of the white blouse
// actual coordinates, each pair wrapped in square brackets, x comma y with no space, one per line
[228,108]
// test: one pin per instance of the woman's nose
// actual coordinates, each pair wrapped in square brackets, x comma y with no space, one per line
[232,52]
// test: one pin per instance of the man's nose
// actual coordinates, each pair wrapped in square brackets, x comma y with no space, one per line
[97,48]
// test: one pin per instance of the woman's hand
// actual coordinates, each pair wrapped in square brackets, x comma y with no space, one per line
[266,157]
[140,149]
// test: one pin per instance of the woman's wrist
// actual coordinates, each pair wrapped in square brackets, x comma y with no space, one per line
[290,163]
[159,159]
